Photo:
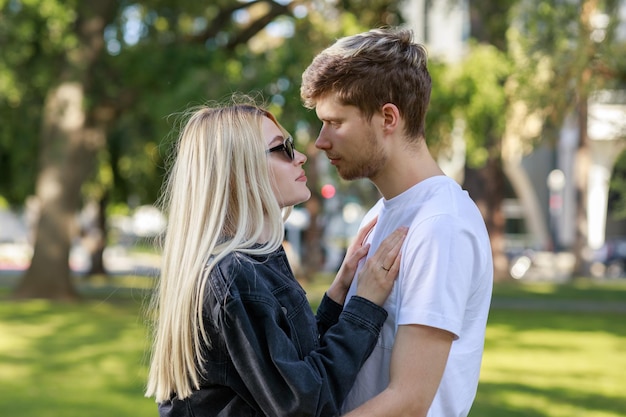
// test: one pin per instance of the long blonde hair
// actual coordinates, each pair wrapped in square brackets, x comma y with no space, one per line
[218,197]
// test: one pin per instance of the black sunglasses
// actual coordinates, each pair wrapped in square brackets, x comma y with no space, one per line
[286,146]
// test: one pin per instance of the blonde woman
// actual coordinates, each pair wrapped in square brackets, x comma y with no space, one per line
[234,334]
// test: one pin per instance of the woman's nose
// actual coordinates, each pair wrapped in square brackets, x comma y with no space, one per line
[299,157]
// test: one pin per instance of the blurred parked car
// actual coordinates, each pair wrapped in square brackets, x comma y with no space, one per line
[610,260]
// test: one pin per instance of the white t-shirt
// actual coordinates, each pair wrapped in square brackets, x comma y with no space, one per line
[445,281]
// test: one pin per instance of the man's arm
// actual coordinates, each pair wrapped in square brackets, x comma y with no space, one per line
[418,360]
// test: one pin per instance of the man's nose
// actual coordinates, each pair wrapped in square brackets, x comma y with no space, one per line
[322,142]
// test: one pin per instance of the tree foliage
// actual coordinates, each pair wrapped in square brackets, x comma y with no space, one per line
[151,60]
[31,42]
[563,50]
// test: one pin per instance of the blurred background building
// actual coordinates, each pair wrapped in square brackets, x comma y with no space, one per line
[540,208]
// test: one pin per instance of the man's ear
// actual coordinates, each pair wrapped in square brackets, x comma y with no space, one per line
[391,117]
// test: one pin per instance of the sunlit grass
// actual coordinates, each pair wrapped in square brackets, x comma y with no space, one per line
[89,358]
[539,363]
[83,359]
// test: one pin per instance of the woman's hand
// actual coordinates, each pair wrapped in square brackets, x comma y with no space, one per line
[356,251]
[380,271]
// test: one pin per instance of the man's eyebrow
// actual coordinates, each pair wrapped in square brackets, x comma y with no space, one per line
[329,118]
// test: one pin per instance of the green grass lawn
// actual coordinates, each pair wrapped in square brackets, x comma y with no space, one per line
[545,363]
[539,363]
[86,359]
[89,358]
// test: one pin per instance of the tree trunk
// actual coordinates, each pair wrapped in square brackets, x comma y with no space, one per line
[582,162]
[486,187]
[98,238]
[496,220]
[313,257]
[588,10]
[69,143]
[64,160]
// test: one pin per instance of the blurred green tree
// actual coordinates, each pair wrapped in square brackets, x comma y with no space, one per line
[88,85]
[530,64]
[98,61]
[470,101]
[563,52]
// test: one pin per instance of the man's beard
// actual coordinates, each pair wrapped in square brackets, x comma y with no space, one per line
[367,162]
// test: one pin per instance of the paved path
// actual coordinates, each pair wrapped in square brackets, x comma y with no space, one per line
[15,258]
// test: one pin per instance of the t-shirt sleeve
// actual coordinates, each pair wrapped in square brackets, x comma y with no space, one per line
[435,277]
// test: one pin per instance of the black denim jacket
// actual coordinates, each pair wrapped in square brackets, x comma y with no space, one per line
[269,355]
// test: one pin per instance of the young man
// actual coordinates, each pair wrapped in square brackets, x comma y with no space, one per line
[371,91]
